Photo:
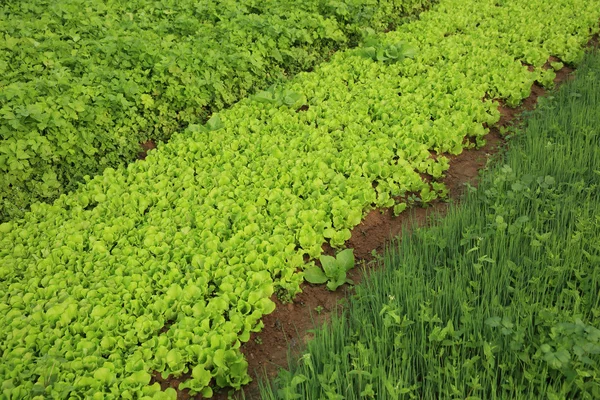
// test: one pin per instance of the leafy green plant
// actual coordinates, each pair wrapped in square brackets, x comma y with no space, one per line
[557,65]
[333,270]
[278,97]
[379,51]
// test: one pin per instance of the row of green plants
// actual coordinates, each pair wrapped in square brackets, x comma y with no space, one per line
[499,299]
[83,83]
[169,264]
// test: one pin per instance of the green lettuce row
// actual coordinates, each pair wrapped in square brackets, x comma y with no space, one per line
[200,235]
[83,83]
[499,300]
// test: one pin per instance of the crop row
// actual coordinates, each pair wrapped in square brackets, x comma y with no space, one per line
[500,299]
[83,83]
[199,236]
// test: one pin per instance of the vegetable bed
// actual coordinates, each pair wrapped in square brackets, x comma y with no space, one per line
[83,83]
[169,264]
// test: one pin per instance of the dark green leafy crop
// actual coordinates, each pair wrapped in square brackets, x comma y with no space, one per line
[333,270]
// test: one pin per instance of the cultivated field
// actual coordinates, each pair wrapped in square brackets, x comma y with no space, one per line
[280,125]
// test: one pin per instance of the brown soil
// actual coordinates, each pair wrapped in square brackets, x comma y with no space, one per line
[288,328]
[146,147]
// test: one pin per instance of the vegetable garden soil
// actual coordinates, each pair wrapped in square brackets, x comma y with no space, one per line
[289,327]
